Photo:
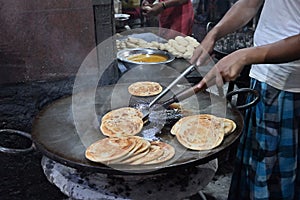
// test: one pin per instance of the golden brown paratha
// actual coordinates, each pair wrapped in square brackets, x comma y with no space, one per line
[145,88]
[123,113]
[144,145]
[109,149]
[131,150]
[120,127]
[229,126]
[135,157]
[155,151]
[199,132]
[169,152]
[122,122]
[140,145]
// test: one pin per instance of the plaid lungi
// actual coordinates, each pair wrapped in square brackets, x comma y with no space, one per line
[268,156]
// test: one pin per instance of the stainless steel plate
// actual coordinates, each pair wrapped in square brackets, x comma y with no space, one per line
[122,17]
[123,55]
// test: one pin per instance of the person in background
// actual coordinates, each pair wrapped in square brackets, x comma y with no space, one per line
[268,155]
[177,15]
[211,10]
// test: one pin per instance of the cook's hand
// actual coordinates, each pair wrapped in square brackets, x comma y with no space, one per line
[145,3]
[203,51]
[227,69]
[151,9]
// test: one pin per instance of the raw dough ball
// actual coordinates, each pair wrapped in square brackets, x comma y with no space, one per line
[181,41]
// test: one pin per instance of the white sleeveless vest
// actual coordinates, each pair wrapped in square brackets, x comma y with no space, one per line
[279,19]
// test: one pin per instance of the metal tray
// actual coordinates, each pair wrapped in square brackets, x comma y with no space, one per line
[124,54]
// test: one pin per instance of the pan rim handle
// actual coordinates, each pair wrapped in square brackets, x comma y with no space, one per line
[229,96]
[16,150]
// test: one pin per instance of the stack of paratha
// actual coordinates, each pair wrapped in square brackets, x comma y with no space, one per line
[122,122]
[202,132]
[131,150]
[145,88]
[122,146]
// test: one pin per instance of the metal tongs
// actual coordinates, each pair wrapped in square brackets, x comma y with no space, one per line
[178,97]
[194,90]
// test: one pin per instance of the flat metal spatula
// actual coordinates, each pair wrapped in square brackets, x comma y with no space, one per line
[187,71]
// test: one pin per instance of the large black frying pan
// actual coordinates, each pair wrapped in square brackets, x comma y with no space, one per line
[64,138]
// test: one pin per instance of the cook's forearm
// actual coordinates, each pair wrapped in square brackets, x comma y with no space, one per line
[236,17]
[285,50]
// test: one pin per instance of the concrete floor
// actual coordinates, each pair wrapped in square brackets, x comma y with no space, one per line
[23,179]
[218,188]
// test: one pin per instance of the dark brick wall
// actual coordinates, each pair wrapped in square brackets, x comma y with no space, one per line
[42,45]
[44,39]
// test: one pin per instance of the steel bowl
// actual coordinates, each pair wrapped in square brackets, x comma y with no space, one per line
[121,19]
[123,55]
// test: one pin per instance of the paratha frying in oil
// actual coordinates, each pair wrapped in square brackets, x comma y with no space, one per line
[108,149]
[155,151]
[229,126]
[168,152]
[145,88]
[140,145]
[122,122]
[199,132]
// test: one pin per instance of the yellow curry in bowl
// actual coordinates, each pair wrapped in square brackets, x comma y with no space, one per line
[147,58]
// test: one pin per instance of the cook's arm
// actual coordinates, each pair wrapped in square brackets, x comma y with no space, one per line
[229,67]
[285,50]
[236,17]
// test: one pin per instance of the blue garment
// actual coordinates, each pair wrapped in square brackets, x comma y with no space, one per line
[268,156]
